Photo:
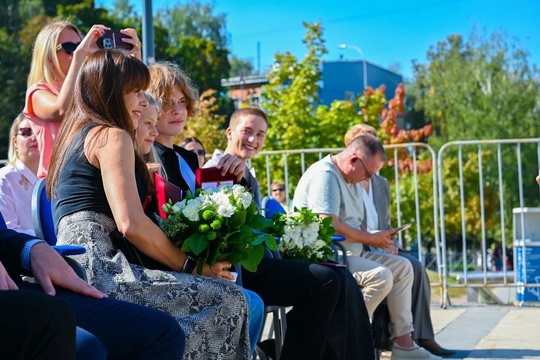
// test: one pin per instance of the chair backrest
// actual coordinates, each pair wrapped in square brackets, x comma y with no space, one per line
[270,206]
[42,214]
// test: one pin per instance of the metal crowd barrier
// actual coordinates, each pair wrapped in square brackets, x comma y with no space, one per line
[496,162]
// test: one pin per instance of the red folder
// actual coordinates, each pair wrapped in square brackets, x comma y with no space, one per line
[166,190]
[211,177]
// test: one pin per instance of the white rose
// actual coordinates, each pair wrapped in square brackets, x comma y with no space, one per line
[176,208]
[191,211]
[246,199]
[225,210]
[319,244]
[314,226]
[238,190]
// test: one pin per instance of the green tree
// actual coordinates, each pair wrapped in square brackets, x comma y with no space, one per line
[194,19]
[478,88]
[205,63]
[240,67]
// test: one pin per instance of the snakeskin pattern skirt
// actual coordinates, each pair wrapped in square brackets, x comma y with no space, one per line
[212,312]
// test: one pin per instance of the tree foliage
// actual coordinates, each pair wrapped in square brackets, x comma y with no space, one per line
[189,34]
[207,125]
[240,67]
[478,88]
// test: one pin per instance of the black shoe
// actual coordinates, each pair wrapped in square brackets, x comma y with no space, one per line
[434,348]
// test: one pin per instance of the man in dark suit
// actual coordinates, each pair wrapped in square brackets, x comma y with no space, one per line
[38,326]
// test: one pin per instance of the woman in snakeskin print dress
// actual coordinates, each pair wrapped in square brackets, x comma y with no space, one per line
[97,183]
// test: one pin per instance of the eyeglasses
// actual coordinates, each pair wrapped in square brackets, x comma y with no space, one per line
[25,132]
[368,174]
[278,189]
[199,152]
[69,47]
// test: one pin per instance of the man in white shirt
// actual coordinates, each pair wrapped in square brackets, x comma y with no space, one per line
[330,188]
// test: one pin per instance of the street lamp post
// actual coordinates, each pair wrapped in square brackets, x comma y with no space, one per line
[364,64]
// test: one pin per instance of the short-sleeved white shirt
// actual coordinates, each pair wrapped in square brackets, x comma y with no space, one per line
[323,189]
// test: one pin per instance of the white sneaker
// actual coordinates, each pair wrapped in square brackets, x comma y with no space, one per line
[413,353]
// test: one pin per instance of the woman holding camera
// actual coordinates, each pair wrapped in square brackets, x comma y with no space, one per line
[59,51]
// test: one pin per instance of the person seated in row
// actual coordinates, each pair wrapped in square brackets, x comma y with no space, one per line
[279,192]
[195,145]
[38,321]
[146,134]
[58,53]
[376,202]
[340,329]
[17,179]
[330,188]
[98,181]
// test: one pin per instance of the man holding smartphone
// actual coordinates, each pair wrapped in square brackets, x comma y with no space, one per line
[330,188]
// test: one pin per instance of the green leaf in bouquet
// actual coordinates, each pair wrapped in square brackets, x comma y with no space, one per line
[197,242]
[271,242]
[259,222]
[251,211]
[239,236]
[327,221]
[237,219]
[255,255]
[213,254]
[259,239]
[235,257]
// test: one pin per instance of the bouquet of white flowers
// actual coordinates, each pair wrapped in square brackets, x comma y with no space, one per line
[218,224]
[303,235]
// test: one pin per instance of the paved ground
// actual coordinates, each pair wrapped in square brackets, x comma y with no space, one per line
[487,331]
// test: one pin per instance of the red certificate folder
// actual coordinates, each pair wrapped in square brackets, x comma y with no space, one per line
[211,177]
[166,190]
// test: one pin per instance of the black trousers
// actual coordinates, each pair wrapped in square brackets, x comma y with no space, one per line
[35,326]
[328,319]
[128,331]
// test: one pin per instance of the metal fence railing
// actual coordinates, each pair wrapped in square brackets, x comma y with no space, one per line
[461,203]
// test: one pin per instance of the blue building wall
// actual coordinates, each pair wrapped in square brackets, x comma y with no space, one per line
[342,80]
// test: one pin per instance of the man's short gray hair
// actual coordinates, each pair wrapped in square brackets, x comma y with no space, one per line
[368,145]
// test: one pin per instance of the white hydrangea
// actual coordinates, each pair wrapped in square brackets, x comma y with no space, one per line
[191,211]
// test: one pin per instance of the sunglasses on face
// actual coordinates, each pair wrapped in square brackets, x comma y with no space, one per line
[69,47]
[25,132]
[278,189]
[199,152]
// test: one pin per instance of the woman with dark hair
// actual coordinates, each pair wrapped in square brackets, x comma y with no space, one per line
[195,146]
[98,181]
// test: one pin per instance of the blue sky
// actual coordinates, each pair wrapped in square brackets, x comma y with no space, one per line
[391,32]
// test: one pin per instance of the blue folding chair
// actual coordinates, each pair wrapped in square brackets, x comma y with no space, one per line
[44,227]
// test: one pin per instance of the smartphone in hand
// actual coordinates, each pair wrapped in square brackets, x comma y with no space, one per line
[402,227]
[113,39]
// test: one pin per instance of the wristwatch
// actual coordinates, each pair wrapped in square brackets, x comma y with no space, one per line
[189,265]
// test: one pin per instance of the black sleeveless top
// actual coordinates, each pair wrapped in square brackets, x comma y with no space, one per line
[80,187]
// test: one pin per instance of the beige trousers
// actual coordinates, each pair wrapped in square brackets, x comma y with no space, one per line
[390,276]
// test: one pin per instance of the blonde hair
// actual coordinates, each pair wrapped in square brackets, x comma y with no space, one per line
[359,129]
[165,77]
[45,67]
[12,151]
